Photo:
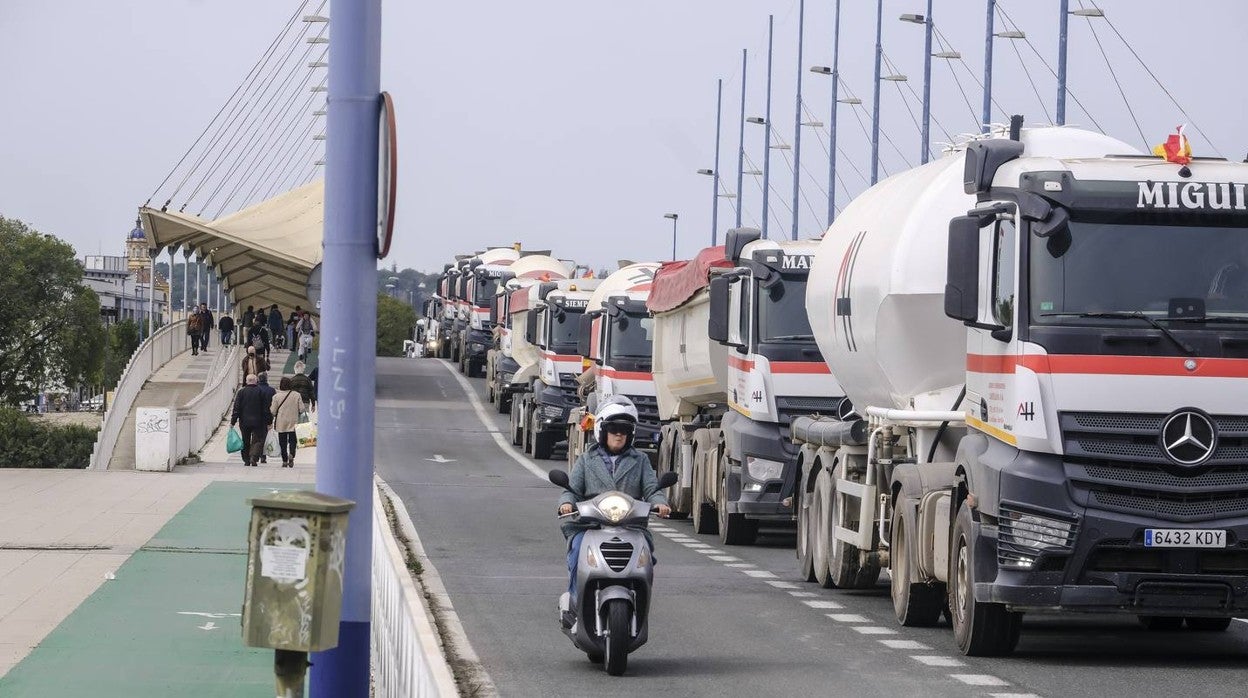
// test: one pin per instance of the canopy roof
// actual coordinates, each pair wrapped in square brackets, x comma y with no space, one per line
[262,254]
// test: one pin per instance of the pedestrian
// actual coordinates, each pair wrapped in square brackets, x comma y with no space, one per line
[302,384]
[253,415]
[205,326]
[287,404]
[248,316]
[307,333]
[192,331]
[314,376]
[226,326]
[262,381]
[277,331]
[253,363]
[258,335]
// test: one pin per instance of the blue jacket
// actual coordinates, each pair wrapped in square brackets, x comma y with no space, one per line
[634,476]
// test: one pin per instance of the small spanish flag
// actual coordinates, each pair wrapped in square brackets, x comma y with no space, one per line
[1176,149]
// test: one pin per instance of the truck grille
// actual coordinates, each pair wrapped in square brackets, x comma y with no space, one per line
[647,410]
[616,553]
[1117,461]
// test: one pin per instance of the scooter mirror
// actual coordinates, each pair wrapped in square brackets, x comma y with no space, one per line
[667,479]
[560,478]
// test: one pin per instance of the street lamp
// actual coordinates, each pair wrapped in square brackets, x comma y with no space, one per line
[1061,54]
[988,36]
[673,216]
[834,72]
[926,21]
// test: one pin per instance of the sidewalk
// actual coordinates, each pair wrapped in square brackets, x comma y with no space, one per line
[122,583]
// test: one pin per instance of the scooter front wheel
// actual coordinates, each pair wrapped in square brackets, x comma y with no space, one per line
[619,620]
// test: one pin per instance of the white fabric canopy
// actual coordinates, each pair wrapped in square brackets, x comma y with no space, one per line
[262,254]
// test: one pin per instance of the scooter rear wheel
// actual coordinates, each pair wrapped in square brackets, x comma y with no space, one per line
[618,616]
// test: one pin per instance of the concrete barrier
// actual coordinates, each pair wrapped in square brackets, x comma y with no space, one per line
[163,436]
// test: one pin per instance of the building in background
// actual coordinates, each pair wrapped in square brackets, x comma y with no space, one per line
[124,283]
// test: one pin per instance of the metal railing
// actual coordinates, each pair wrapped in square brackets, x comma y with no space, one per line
[197,420]
[407,655]
[152,354]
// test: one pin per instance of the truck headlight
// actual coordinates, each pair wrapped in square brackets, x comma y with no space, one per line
[1021,535]
[762,469]
[614,507]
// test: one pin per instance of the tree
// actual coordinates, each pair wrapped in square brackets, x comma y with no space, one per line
[50,330]
[395,322]
[123,339]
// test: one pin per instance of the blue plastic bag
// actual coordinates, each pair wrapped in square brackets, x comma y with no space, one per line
[233,441]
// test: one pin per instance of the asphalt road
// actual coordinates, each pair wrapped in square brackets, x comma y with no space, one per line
[725,620]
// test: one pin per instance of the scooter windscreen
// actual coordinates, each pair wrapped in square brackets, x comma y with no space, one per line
[614,509]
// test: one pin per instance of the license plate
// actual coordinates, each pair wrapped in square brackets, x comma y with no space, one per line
[1184,538]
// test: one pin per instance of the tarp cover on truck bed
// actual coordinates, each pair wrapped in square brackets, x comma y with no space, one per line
[677,282]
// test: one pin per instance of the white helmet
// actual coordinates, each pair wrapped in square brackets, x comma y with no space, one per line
[616,409]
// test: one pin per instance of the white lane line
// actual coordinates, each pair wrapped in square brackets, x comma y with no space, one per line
[848,618]
[1013,695]
[979,679]
[696,546]
[828,605]
[759,574]
[782,585]
[725,558]
[503,443]
[738,564]
[933,660]
[804,595]
[871,630]
[710,552]
[905,644]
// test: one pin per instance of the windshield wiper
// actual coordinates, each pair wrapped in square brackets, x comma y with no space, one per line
[1137,315]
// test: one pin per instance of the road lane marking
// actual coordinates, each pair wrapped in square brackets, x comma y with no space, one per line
[873,630]
[905,644]
[936,660]
[759,574]
[696,546]
[1013,695]
[709,553]
[979,679]
[803,594]
[725,558]
[503,444]
[739,564]
[829,605]
[782,585]
[848,618]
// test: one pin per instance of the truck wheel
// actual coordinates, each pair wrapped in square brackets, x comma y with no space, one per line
[734,529]
[1210,625]
[805,549]
[821,530]
[704,518]
[528,429]
[1161,623]
[619,620]
[980,629]
[845,566]
[490,393]
[916,604]
[503,403]
[543,444]
[516,430]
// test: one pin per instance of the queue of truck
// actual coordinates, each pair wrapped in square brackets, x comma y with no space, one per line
[1012,377]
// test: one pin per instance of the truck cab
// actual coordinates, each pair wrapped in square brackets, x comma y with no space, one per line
[505,373]
[485,273]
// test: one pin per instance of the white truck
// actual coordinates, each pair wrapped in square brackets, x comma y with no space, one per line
[482,276]
[1045,335]
[734,363]
[505,374]
[551,315]
[617,336]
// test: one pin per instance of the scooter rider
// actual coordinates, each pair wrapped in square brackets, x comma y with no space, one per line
[612,464]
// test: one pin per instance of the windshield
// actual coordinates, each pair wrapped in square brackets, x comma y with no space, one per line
[632,337]
[486,288]
[1158,270]
[563,331]
[782,311]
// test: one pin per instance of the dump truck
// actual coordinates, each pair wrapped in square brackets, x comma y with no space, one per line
[505,374]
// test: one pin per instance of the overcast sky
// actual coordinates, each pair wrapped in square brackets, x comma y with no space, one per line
[576,125]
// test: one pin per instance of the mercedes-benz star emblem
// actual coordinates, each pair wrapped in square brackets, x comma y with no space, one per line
[1188,437]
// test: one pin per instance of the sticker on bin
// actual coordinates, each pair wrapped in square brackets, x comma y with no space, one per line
[283,563]
[1184,538]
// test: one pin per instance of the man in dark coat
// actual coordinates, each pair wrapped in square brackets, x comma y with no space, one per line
[246,326]
[205,326]
[252,413]
[262,382]
[258,331]
[226,326]
[277,326]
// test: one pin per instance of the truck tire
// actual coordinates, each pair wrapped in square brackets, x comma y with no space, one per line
[669,461]
[734,529]
[805,548]
[821,530]
[916,604]
[490,393]
[619,621]
[503,402]
[845,568]
[980,629]
[517,430]
[543,444]
[705,520]
[528,428]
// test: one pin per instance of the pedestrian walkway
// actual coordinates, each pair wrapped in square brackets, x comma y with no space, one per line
[174,384]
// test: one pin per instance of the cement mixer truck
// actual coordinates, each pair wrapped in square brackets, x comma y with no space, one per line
[734,364]
[551,314]
[482,276]
[618,338]
[505,374]
[1047,338]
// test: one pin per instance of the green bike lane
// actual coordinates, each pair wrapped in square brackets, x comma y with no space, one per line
[168,624]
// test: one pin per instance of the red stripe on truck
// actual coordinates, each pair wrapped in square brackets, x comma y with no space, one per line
[1110,365]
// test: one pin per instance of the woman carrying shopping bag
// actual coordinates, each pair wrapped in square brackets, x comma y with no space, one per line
[287,404]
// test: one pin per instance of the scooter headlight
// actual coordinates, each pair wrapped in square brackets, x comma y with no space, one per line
[614,507]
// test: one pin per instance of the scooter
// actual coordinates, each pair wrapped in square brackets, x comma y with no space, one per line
[609,616]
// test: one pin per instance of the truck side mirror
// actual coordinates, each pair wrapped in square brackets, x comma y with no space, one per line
[530,327]
[717,325]
[584,332]
[962,281]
